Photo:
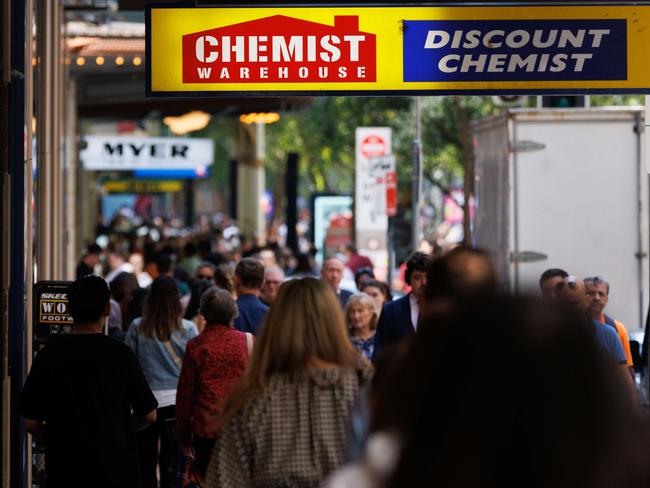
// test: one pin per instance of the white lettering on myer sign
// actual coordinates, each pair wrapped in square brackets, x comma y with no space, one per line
[281,49]
[114,153]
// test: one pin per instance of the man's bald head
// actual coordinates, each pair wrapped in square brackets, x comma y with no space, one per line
[572,291]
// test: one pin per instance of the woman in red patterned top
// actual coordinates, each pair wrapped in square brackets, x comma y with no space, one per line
[213,364]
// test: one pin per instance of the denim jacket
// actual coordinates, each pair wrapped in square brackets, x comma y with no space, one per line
[157,364]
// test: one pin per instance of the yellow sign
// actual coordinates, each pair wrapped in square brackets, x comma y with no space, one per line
[395,50]
[54,310]
[143,186]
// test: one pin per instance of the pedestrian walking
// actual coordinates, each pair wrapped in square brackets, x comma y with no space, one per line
[249,277]
[79,397]
[361,318]
[213,364]
[273,278]
[285,424]
[573,293]
[89,261]
[378,291]
[399,319]
[548,281]
[159,339]
[534,403]
[332,273]
[598,293]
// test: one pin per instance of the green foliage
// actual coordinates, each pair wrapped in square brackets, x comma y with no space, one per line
[615,100]
[323,135]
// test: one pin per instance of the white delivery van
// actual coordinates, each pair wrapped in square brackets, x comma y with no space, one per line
[566,188]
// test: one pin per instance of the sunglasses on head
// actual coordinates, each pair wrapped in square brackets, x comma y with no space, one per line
[571,282]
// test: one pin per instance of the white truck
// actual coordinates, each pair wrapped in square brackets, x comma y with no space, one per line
[566,188]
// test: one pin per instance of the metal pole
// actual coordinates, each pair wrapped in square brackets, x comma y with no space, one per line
[29,211]
[56,103]
[416,198]
[5,231]
[14,341]
[291,191]
[44,138]
[70,178]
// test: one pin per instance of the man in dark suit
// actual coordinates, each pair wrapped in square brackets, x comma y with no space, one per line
[332,272]
[399,318]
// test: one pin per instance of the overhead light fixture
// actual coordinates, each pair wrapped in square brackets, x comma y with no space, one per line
[259,118]
[119,60]
[80,61]
[189,122]
[137,61]
[99,60]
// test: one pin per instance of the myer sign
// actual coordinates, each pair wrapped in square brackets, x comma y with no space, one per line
[115,153]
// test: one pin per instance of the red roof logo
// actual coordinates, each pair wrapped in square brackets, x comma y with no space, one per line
[281,49]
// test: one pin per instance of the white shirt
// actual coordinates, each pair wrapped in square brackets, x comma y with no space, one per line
[415,311]
[124,267]
[165,398]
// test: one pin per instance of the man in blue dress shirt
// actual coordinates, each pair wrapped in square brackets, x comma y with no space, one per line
[249,278]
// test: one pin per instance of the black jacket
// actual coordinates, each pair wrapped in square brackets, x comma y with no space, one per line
[394,324]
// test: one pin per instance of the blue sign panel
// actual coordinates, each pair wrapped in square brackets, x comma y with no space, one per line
[172,174]
[515,50]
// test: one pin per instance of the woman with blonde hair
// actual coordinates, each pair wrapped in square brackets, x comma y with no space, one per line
[361,317]
[285,424]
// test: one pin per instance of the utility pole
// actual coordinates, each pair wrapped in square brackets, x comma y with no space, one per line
[416,192]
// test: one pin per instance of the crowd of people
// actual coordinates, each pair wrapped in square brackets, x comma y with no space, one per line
[189,366]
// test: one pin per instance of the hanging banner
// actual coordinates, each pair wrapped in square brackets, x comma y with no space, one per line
[399,50]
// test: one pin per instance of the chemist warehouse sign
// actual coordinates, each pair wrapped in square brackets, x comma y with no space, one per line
[312,50]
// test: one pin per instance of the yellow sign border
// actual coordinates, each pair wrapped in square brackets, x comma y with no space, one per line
[166,25]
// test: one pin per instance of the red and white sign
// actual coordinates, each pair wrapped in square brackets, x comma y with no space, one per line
[391,190]
[281,49]
[373,145]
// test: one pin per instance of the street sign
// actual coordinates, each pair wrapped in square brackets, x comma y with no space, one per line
[372,148]
[391,188]
[371,143]
[398,50]
[126,153]
[383,172]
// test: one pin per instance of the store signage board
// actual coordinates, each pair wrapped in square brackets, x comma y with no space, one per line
[51,314]
[143,186]
[128,153]
[397,50]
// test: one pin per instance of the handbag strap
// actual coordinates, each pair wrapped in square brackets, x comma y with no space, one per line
[175,357]
[249,343]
